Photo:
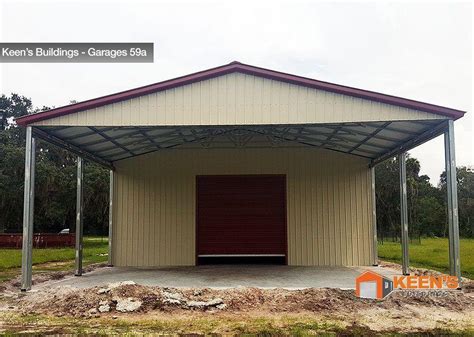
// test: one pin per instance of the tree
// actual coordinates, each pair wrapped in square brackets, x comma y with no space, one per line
[387,198]
[465,179]
[12,142]
[55,180]
[426,203]
[431,208]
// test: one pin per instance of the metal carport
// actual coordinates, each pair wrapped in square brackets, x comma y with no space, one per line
[108,142]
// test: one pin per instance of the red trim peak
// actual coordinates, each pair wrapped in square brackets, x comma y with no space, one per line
[245,69]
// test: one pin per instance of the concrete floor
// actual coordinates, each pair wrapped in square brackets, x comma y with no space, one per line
[225,276]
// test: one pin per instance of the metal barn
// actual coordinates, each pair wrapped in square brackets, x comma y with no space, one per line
[241,161]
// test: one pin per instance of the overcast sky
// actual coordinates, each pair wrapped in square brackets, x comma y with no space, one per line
[421,51]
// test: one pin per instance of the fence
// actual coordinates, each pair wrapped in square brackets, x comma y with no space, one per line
[40,240]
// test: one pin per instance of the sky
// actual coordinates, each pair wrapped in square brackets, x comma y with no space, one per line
[417,50]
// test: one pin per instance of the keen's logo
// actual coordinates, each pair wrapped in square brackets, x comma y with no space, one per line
[425,282]
[372,285]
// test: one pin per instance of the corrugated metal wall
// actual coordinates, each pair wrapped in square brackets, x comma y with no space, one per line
[239,99]
[328,200]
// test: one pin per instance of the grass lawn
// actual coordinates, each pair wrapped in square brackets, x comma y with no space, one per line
[432,253]
[95,249]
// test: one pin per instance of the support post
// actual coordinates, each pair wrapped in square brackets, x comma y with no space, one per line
[404,212]
[28,211]
[374,220]
[111,198]
[79,216]
[452,201]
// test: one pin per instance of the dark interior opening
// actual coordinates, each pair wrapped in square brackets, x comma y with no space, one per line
[279,260]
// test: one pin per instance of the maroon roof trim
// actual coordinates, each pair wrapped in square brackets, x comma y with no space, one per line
[245,69]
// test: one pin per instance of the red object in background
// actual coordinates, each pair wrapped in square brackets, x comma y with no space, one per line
[244,214]
[40,240]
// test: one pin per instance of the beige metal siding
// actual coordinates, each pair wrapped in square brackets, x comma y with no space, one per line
[328,203]
[239,99]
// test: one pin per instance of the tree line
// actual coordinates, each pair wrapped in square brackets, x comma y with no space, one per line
[427,210]
[55,180]
[55,188]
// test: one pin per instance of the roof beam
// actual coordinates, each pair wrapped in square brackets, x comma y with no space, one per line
[426,122]
[323,143]
[196,139]
[366,139]
[411,133]
[110,139]
[410,144]
[135,141]
[80,135]
[306,141]
[101,141]
[72,148]
[152,141]
[341,137]
[333,135]
[365,133]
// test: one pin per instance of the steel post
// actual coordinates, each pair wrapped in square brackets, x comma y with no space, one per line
[28,211]
[452,201]
[111,198]
[374,220]
[404,212]
[79,215]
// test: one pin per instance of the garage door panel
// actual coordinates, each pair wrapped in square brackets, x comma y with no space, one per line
[248,198]
[236,234]
[260,250]
[261,240]
[210,202]
[241,208]
[235,218]
[241,215]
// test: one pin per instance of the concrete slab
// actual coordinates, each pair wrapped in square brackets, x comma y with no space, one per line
[224,276]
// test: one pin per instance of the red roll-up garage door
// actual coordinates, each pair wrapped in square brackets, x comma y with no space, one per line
[241,215]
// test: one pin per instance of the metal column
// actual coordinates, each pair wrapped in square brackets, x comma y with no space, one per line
[28,211]
[404,212]
[374,220]
[452,190]
[79,216]
[111,198]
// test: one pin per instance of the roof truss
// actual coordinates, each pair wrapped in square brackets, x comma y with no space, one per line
[375,141]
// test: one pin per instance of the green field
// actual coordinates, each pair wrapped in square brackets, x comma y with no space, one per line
[431,253]
[95,249]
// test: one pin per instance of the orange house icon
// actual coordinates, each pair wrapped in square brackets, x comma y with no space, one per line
[372,285]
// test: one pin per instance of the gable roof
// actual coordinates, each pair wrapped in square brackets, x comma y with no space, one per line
[369,274]
[245,69]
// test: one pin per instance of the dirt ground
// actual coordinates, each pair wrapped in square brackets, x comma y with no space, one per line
[234,311]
